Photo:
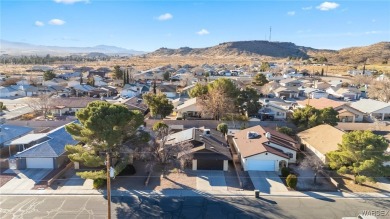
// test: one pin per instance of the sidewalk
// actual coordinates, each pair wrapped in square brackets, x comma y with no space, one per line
[192,193]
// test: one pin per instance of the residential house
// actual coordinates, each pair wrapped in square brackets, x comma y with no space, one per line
[263,149]
[49,154]
[190,109]
[64,106]
[25,90]
[56,82]
[69,76]
[321,140]
[209,148]
[359,72]
[351,93]
[346,112]
[290,82]
[8,91]
[272,111]
[321,85]
[9,133]
[374,109]
[135,103]
[99,81]
[23,82]
[102,74]
[286,92]
[169,90]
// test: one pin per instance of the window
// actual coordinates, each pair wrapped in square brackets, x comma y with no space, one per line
[290,155]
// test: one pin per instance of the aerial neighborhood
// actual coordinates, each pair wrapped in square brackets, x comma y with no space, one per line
[250,124]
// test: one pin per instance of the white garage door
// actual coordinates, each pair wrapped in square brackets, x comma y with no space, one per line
[41,163]
[260,165]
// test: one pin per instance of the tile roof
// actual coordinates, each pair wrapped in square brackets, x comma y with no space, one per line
[11,132]
[321,103]
[369,105]
[324,138]
[251,147]
[54,147]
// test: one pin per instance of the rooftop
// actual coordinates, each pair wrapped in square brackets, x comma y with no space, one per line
[324,138]
[11,132]
[369,105]
[321,103]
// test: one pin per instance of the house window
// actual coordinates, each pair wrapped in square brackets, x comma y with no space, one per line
[290,155]
[278,113]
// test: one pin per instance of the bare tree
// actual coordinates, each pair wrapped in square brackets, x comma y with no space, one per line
[41,104]
[216,103]
[379,90]
[186,79]
[362,80]
[312,162]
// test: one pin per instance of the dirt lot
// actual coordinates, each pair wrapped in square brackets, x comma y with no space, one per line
[347,184]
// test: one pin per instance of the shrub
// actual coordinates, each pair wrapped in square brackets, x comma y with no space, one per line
[285,130]
[99,183]
[28,116]
[292,181]
[285,171]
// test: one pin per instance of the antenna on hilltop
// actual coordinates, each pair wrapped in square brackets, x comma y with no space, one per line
[270,30]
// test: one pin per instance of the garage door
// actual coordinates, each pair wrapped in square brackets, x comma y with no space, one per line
[41,163]
[260,165]
[210,165]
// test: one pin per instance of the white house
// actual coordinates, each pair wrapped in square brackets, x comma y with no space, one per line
[373,108]
[263,149]
[169,90]
[272,110]
[360,72]
[99,81]
[317,94]
[344,92]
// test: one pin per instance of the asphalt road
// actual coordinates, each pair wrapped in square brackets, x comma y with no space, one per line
[184,207]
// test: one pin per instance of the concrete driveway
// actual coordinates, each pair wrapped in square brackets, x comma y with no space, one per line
[210,180]
[267,182]
[24,180]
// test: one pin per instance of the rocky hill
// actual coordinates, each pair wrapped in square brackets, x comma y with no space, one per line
[375,53]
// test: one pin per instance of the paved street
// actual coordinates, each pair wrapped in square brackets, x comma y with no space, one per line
[184,207]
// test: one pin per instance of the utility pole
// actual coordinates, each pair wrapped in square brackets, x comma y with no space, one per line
[270,30]
[108,186]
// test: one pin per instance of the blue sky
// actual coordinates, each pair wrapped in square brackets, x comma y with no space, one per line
[149,25]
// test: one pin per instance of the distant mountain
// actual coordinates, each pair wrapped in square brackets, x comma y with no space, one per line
[17,48]
[375,53]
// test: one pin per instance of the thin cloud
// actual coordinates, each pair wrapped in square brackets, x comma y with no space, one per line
[326,6]
[291,13]
[57,22]
[203,32]
[39,23]
[307,8]
[69,2]
[165,17]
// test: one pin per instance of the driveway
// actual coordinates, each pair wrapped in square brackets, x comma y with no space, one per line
[267,182]
[210,180]
[24,180]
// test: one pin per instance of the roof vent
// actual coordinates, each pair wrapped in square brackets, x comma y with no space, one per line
[206,132]
[268,135]
[252,135]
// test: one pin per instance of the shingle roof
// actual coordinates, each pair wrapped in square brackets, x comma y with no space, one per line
[10,132]
[321,103]
[187,103]
[72,102]
[54,147]
[251,147]
[324,138]
[369,105]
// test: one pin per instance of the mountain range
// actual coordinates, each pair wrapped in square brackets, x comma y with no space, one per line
[375,53]
[17,48]
[378,52]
